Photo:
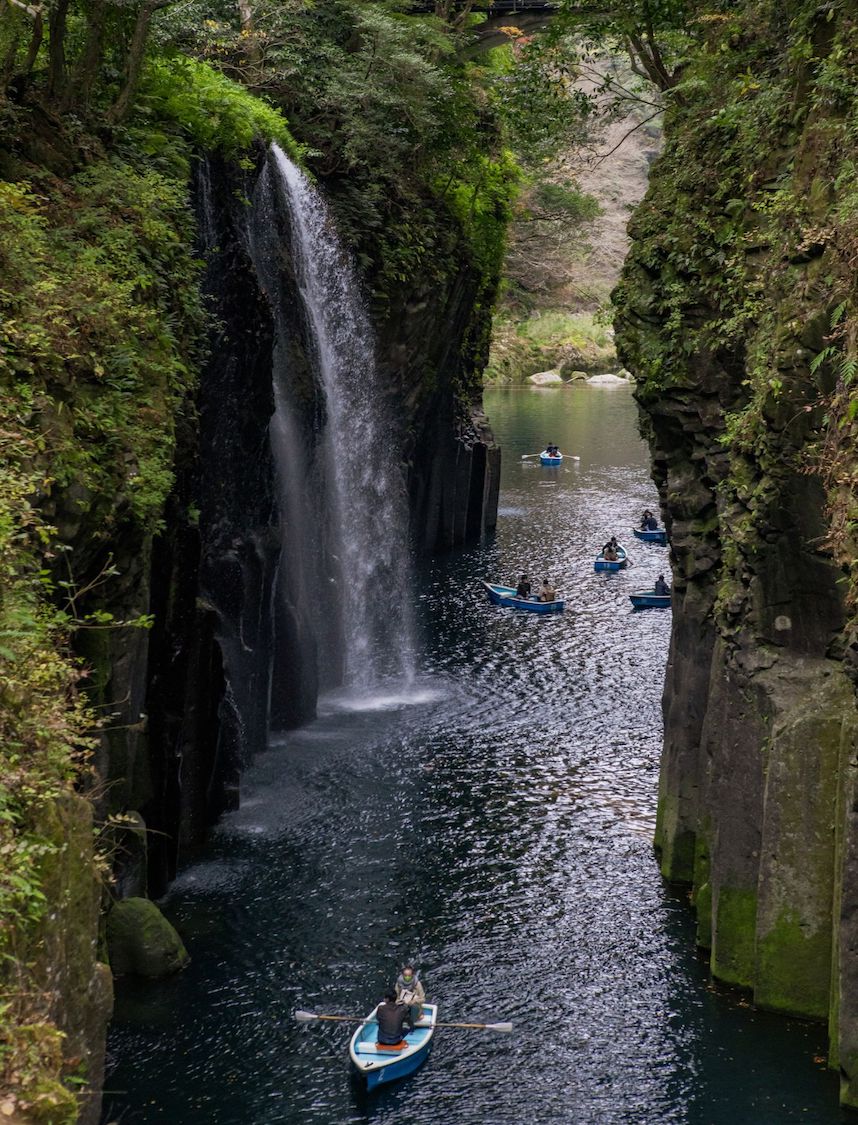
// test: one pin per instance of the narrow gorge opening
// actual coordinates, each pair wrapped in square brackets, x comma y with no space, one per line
[267,269]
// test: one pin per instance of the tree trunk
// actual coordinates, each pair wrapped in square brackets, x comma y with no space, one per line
[89,61]
[254,54]
[10,20]
[57,49]
[133,64]
[35,44]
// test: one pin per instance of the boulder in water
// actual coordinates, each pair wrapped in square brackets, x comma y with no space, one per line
[141,941]
[546,379]
[606,380]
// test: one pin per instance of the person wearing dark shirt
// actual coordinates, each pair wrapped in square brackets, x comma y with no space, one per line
[522,590]
[392,1018]
[661,587]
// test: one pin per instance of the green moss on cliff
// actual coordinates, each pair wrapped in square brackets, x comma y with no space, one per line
[793,967]
[736,313]
[734,928]
[101,324]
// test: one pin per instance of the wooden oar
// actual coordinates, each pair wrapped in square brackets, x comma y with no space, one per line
[568,456]
[307,1017]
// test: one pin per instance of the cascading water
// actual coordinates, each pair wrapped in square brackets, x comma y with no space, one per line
[342,494]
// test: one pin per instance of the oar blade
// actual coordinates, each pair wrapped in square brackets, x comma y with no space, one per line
[505,1027]
[305,1017]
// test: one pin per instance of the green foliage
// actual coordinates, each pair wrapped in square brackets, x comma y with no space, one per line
[100,314]
[482,206]
[214,112]
[45,740]
[536,96]
[566,200]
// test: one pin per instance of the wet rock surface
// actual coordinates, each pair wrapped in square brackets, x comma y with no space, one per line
[760,717]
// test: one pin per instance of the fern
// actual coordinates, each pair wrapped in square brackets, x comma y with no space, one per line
[820,358]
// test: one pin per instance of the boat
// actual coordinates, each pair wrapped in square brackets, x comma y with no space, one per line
[373,1064]
[658,536]
[506,596]
[546,458]
[649,599]
[602,563]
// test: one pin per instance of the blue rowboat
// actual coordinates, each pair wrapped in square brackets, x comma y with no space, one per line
[375,1065]
[602,563]
[649,599]
[547,459]
[658,536]
[506,596]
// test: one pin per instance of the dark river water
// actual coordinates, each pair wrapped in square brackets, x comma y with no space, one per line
[491,821]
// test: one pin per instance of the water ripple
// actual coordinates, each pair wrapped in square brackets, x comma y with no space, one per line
[492,820]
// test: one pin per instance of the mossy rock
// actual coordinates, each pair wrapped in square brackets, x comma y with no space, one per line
[141,941]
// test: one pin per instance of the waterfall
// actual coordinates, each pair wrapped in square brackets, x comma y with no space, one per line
[342,493]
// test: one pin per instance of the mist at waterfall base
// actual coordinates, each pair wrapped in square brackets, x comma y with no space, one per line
[500,835]
[344,519]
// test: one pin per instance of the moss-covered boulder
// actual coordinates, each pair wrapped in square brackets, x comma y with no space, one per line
[141,941]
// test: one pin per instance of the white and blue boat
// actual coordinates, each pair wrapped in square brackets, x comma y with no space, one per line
[506,596]
[649,599]
[658,536]
[546,458]
[621,561]
[374,1064]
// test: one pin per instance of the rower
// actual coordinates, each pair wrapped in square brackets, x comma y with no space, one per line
[392,1017]
[661,587]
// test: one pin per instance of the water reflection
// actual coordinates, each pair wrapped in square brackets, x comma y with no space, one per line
[493,824]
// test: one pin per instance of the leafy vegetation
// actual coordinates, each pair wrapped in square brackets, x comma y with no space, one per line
[762,280]
[423,148]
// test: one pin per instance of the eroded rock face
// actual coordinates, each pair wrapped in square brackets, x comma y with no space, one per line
[720,312]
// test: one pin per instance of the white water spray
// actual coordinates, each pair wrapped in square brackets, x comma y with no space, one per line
[359,518]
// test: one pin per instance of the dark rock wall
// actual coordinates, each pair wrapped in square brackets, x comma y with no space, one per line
[229,653]
[434,345]
[737,266]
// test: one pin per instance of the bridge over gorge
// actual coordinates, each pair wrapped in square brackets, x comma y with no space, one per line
[500,7]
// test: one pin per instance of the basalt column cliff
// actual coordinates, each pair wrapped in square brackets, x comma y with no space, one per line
[737,314]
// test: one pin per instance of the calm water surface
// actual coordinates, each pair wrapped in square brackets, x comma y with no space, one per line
[491,821]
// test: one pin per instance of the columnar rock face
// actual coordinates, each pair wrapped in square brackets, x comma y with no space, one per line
[434,345]
[227,657]
[735,318]
[190,701]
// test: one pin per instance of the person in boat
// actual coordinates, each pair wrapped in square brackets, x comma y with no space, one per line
[392,1016]
[547,593]
[522,590]
[649,522]
[410,991]
[552,450]
[661,587]
[609,551]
